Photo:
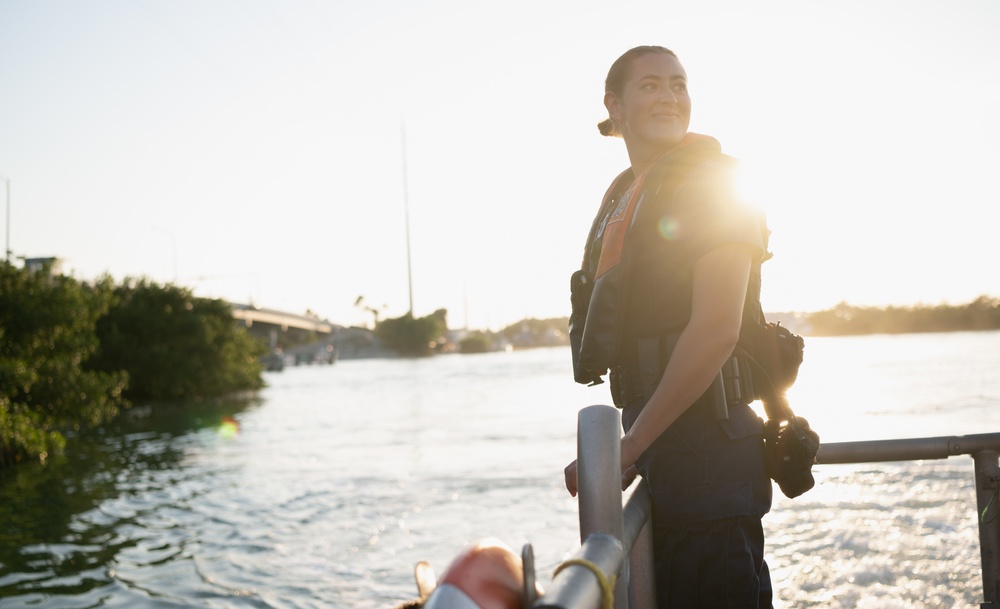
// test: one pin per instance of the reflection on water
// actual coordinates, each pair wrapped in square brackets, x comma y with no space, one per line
[879,535]
[65,525]
[900,386]
[328,489]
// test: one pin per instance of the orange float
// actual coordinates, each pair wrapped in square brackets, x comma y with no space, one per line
[485,575]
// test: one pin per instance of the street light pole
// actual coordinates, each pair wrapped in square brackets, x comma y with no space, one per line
[406,212]
[7,248]
[7,245]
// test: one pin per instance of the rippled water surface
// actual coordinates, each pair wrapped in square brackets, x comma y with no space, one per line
[338,479]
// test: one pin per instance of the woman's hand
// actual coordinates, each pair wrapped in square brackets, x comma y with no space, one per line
[570,474]
[628,476]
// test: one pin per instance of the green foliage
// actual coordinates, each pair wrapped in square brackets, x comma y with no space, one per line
[71,354]
[175,346]
[46,337]
[981,314]
[413,337]
[476,342]
[532,332]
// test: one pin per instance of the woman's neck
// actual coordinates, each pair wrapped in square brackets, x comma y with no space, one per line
[640,159]
[642,156]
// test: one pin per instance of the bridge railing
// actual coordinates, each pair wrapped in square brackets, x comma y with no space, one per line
[613,566]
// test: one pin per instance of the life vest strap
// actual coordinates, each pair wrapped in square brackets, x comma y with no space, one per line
[733,386]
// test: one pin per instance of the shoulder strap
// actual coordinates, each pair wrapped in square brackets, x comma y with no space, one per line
[602,212]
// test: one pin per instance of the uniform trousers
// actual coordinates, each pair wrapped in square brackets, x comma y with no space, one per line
[709,490]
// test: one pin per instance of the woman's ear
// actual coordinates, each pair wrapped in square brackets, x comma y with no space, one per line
[611,103]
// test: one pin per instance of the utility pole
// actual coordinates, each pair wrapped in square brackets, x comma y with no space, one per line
[406,212]
[7,248]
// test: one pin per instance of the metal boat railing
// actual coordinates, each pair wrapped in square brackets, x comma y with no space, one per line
[614,563]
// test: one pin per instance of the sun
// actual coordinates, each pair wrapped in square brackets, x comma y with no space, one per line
[756,186]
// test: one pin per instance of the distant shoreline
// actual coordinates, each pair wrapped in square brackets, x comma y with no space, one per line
[982,314]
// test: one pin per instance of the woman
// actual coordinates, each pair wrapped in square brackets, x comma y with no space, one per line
[672,259]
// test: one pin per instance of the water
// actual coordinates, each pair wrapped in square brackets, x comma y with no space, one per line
[340,478]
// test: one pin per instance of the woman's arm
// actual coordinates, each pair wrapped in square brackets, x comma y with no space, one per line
[719,289]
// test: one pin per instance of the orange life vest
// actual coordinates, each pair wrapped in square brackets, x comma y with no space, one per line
[598,290]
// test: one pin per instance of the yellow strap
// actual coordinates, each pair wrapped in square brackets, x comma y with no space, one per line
[607,584]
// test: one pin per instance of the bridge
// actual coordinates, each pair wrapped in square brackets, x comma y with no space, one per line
[288,334]
[305,338]
[252,315]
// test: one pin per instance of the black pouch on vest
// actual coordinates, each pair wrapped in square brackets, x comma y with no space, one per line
[602,332]
[581,286]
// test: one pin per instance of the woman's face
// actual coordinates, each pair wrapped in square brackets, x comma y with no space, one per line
[654,109]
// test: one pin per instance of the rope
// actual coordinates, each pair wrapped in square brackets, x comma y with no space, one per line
[607,584]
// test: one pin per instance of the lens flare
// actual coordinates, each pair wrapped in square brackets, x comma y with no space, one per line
[668,228]
[228,428]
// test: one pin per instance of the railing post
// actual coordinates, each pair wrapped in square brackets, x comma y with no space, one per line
[988,516]
[599,476]
[641,581]
[576,586]
[637,515]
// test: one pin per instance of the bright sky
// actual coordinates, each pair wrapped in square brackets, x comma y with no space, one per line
[253,150]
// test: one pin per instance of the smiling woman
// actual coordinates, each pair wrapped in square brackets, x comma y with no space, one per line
[655,112]
[671,265]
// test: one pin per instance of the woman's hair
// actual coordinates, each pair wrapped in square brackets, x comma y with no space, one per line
[618,74]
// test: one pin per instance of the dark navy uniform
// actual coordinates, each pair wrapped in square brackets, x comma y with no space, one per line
[706,472]
[709,490]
